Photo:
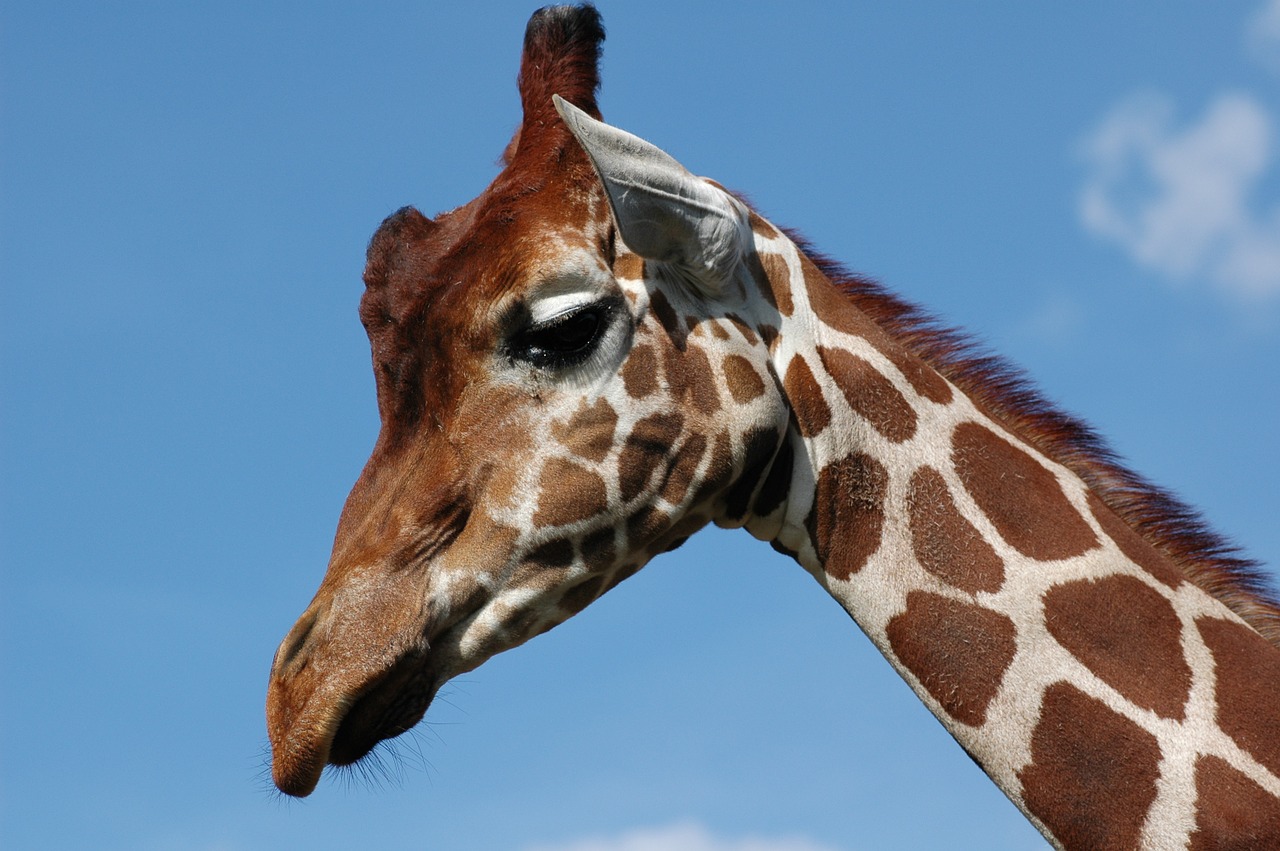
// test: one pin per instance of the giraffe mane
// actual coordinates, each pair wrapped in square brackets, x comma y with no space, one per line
[1004,392]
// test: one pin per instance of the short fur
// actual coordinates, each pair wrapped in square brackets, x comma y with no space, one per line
[1004,392]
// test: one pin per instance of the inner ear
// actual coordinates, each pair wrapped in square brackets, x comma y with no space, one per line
[663,212]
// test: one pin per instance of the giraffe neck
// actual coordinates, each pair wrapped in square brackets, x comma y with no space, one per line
[1115,702]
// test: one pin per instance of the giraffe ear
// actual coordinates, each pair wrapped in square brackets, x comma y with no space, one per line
[663,212]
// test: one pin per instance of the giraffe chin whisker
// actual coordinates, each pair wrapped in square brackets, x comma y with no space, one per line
[353,741]
[384,709]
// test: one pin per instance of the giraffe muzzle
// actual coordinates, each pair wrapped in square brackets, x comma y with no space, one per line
[340,723]
[343,681]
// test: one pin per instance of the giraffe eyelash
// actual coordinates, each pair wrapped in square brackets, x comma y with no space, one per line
[565,340]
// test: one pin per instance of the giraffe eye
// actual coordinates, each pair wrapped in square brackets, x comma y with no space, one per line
[564,340]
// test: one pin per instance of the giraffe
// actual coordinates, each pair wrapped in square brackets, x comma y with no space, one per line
[602,354]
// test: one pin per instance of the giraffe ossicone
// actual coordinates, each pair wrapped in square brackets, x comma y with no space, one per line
[601,354]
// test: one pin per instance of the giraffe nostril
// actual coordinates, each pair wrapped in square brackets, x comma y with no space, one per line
[289,655]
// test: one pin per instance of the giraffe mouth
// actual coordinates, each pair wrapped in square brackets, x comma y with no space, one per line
[392,705]
[335,695]
[341,728]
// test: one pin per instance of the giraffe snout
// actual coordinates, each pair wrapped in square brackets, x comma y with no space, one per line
[336,677]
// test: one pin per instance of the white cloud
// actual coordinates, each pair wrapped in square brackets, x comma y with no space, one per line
[1178,199]
[683,837]
[1262,35]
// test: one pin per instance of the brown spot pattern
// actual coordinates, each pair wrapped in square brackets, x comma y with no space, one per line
[1232,812]
[922,377]
[719,470]
[597,548]
[557,553]
[1127,634]
[1133,545]
[580,596]
[640,372]
[870,394]
[690,378]
[761,278]
[646,449]
[626,571]
[762,227]
[848,513]
[744,382]
[568,492]
[1018,495]
[743,328]
[717,330]
[778,483]
[675,537]
[959,651]
[784,550]
[944,542]
[1093,773]
[833,308]
[517,622]
[758,448]
[533,575]
[668,317]
[812,413]
[644,526]
[773,279]
[629,266]
[683,469]
[1247,668]
[589,432]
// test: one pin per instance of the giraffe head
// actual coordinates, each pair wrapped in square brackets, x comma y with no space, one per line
[571,380]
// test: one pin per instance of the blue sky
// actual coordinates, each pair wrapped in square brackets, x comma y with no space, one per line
[185,397]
